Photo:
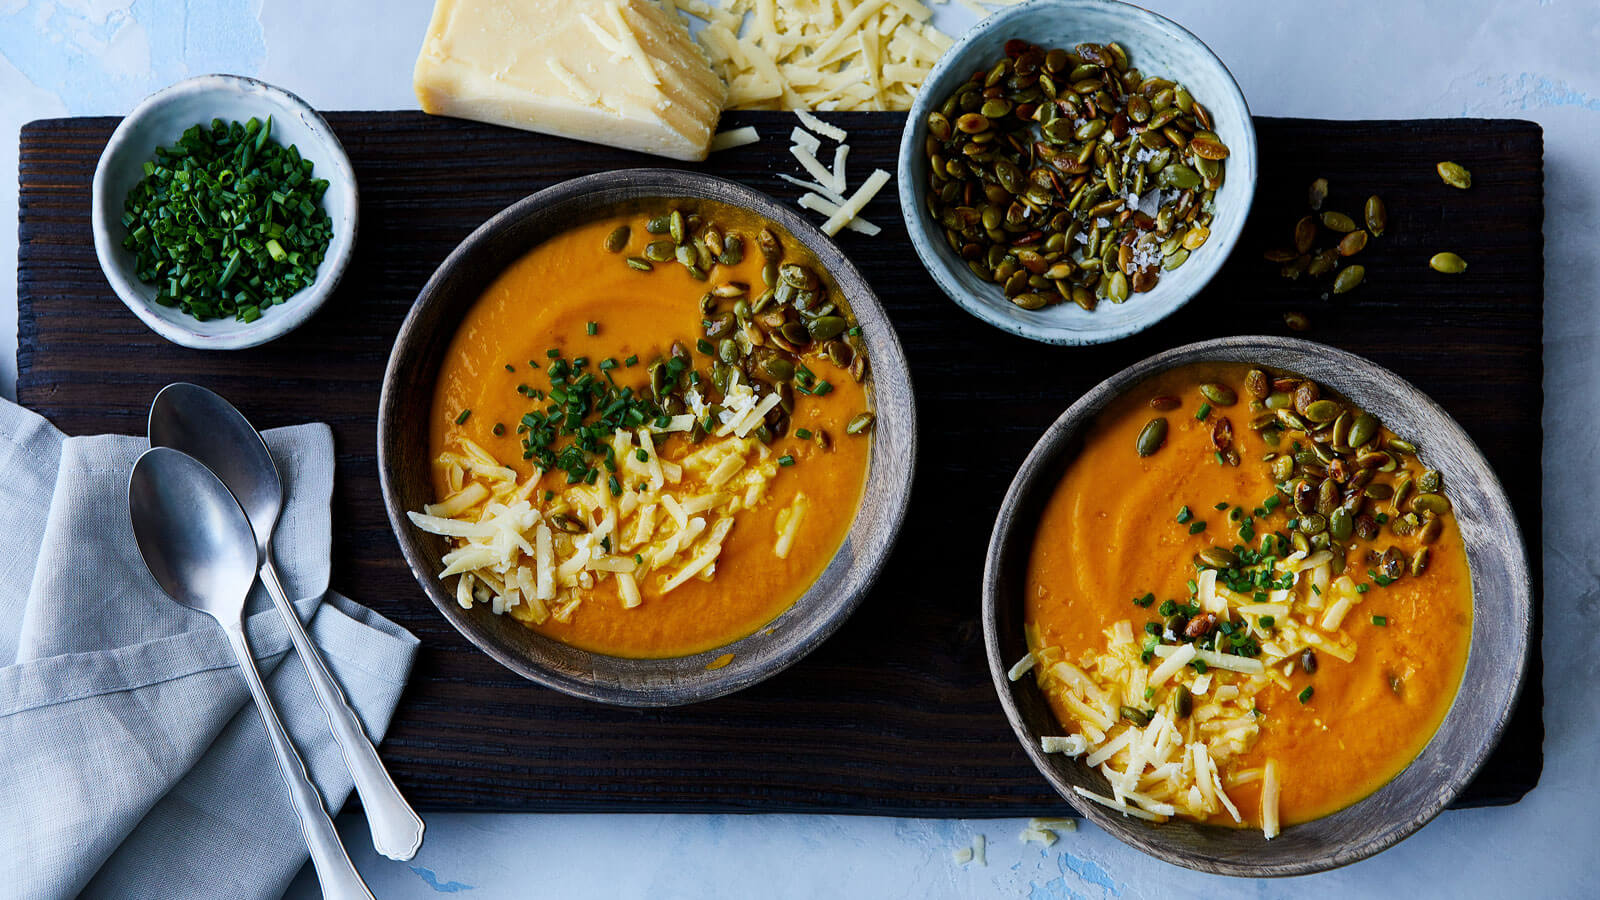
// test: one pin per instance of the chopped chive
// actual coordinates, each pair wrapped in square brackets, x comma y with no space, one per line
[803,434]
[1221,506]
[226,223]
[631,361]
[704,346]
[553,353]
[1197,527]
[1363,588]
[1380,620]
[1218,456]
[510,367]
[641,455]
[1184,515]
[638,559]
[1305,695]
[786,460]
[499,429]
[822,388]
[1149,691]
[1199,666]
[461,419]
[591,328]
[1201,413]
[1268,621]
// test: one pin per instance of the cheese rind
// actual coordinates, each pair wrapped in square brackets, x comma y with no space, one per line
[625,73]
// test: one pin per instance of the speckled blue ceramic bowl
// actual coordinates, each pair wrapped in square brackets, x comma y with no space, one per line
[1157,46]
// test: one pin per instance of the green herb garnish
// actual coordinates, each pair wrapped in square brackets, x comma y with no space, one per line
[227,222]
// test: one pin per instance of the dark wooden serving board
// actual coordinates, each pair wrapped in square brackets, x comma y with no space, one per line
[895,714]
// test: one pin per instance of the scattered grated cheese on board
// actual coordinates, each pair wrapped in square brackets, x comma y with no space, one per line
[735,137]
[857,202]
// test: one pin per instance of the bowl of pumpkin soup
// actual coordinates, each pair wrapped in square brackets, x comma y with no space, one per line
[1257,606]
[646,437]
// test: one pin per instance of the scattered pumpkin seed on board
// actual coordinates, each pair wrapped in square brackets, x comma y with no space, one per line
[1448,263]
[1455,175]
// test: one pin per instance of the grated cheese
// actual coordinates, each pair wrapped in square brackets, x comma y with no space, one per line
[1187,767]
[857,202]
[735,137]
[1269,799]
[828,207]
[1022,667]
[819,54]
[510,553]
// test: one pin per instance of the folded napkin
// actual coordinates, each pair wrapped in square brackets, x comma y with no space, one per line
[132,762]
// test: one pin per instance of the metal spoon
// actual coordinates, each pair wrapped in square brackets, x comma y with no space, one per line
[197,543]
[190,418]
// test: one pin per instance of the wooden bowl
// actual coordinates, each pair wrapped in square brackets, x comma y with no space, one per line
[1502,598]
[404,466]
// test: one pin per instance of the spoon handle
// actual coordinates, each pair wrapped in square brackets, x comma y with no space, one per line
[396,828]
[335,873]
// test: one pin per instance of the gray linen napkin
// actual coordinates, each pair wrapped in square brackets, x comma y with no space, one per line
[132,763]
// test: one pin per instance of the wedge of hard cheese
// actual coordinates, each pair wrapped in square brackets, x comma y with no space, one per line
[620,72]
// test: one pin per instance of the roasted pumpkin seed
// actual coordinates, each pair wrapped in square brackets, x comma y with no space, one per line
[1256,384]
[1454,174]
[1218,394]
[1152,436]
[1341,524]
[617,240]
[1448,263]
[1317,193]
[1338,221]
[1322,411]
[1305,234]
[1352,243]
[1182,702]
[1377,216]
[1348,278]
[1363,429]
[1433,504]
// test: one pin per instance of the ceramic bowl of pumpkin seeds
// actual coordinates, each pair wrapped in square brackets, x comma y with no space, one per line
[1074,171]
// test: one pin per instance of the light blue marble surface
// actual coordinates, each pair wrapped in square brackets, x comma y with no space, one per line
[1331,59]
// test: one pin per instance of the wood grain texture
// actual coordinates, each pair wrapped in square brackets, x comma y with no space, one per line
[895,714]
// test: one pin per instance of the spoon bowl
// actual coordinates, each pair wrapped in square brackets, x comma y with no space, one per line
[195,539]
[200,423]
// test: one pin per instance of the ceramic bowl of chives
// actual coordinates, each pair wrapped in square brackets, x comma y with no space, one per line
[1502,601]
[404,466]
[1157,46]
[158,121]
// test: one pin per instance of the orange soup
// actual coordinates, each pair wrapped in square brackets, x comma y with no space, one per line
[1247,601]
[651,432]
